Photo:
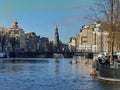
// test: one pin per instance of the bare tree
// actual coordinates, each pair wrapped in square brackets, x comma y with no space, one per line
[108,13]
[13,43]
[102,11]
[2,41]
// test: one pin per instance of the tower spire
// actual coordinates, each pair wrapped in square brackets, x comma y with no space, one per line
[56,38]
[56,29]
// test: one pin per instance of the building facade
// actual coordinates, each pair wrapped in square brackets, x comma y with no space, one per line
[31,42]
[18,34]
[92,38]
[72,44]
[12,38]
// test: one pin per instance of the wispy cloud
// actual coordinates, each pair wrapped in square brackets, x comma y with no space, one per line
[70,21]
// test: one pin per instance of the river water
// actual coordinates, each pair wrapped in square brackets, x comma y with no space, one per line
[50,74]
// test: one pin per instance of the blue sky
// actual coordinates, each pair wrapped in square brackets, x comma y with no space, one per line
[41,16]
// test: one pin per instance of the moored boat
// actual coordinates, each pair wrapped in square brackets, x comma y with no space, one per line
[58,55]
[109,66]
[109,70]
[4,55]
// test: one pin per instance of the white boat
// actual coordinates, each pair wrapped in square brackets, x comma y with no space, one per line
[58,55]
[4,55]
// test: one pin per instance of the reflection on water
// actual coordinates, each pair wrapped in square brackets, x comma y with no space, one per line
[56,66]
[55,74]
[23,60]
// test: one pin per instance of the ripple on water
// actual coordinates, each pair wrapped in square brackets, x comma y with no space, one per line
[54,75]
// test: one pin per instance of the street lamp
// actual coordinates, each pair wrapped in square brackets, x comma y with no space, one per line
[101,40]
[94,39]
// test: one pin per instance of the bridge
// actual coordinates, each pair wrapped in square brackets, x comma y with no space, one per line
[48,54]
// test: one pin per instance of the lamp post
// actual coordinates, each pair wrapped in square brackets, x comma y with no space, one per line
[94,39]
[101,40]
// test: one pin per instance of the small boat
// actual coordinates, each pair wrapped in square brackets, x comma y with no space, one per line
[4,55]
[74,62]
[58,55]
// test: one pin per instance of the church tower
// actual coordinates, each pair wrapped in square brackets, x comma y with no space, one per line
[56,39]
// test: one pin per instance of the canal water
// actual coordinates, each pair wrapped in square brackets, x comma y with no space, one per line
[50,74]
